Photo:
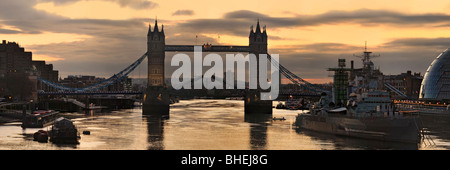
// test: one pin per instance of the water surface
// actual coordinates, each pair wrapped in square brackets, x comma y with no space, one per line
[208,125]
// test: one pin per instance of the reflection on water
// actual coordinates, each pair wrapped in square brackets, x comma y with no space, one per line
[155,130]
[347,143]
[258,130]
[438,128]
[205,125]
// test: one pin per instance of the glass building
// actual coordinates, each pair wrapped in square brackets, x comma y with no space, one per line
[436,82]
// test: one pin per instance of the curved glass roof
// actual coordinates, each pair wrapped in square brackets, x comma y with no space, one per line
[436,82]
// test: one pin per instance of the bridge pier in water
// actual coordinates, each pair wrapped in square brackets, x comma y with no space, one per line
[254,105]
[156,101]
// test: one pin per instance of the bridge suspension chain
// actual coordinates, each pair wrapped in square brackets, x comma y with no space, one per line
[295,79]
[105,83]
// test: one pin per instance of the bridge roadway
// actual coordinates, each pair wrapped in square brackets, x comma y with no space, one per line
[140,92]
[206,48]
[90,93]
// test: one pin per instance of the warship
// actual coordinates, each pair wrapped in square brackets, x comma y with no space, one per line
[360,107]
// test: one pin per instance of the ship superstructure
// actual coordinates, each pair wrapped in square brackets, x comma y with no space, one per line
[368,111]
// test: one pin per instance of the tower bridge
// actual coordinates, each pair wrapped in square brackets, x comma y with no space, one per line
[156,96]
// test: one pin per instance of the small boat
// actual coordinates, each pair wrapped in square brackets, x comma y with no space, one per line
[171,101]
[275,118]
[64,131]
[293,104]
[41,136]
[281,106]
[39,119]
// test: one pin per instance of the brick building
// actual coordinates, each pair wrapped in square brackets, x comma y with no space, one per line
[18,73]
[407,83]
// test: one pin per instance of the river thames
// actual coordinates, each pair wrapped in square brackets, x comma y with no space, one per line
[209,125]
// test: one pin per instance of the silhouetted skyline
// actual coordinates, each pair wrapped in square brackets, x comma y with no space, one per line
[81,37]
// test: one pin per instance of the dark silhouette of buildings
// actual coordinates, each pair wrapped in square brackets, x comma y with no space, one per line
[46,72]
[407,83]
[81,81]
[18,73]
[13,58]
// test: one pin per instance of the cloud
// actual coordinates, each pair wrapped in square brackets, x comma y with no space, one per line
[397,56]
[414,54]
[22,15]
[114,44]
[215,26]
[361,16]
[8,31]
[319,48]
[102,56]
[245,14]
[236,22]
[183,12]
[22,10]
[135,4]
[442,42]
[60,2]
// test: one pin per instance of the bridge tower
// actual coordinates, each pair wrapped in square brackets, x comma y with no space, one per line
[156,97]
[257,45]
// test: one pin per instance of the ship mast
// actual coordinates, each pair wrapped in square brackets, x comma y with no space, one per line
[368,66]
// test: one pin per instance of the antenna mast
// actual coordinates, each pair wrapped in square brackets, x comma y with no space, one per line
[365,46]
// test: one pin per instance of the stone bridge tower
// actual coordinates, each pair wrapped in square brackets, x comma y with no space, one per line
[156,54]
[156,97]
[257,45]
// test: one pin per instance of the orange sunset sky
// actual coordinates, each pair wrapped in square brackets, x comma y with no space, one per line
[101,37]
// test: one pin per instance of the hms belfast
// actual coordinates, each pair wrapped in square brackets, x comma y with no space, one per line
[360,107]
